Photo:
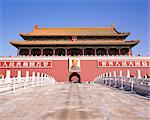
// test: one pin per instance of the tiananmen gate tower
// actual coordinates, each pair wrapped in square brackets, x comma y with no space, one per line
[74,41]
[75,54]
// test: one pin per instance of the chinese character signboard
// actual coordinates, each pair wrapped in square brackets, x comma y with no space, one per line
[74,64]
[123,63]
[25,64]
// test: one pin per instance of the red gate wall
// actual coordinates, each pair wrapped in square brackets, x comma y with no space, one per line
[89,70]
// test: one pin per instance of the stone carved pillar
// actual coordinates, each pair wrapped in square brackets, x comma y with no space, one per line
[128,73]
[139,74]
[8,80]
[114,74]
[19,75]
[120,73]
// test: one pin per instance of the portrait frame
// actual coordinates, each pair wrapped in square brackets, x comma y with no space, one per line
[74,64]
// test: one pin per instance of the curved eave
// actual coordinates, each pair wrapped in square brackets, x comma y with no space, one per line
[54,43]
[30,35]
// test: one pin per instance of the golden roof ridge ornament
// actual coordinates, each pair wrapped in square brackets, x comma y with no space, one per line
[36,26]
[113,26]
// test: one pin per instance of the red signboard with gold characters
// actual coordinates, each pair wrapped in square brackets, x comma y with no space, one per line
[26,64]
[123,63]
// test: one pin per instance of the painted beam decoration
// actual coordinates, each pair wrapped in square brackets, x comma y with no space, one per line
[74,64]
[26,64]
[123,63]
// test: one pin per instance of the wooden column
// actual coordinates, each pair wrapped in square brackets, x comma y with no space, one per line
[95,51]
[66,52]
[18,50]
[41,52]
[107,51]
[130,51]
[54,51]
[119,51]
[29,52]
[83,51]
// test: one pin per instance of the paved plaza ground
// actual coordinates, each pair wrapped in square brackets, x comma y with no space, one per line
[73,102]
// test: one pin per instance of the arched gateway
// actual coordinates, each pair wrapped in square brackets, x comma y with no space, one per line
[75,77]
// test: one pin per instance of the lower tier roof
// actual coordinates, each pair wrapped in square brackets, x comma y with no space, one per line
[66,43]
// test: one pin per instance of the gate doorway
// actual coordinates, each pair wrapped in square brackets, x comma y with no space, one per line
[74,78]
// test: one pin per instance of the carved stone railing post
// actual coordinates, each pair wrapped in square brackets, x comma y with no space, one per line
[14,85]
[115,78]
[33,78]
[26,79]
[128,73]
[19,75]
[139,74]
[38,79]
[42,77]
[8,79]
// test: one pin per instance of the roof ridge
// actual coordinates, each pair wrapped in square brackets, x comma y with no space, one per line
[37,27]
[73,28]
[78,27]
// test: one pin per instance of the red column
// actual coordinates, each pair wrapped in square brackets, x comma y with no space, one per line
[18,50]
[119,51]
[65,52]
[41,52]
[95,51]
[83,51]
[130,51]
[107,52]
[54,51]
[29,52]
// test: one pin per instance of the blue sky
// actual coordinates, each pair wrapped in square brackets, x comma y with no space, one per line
[21,15]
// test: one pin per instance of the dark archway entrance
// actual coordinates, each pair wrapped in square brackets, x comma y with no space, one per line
[75,77]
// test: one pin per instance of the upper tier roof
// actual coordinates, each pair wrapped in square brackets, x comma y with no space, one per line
[93,31]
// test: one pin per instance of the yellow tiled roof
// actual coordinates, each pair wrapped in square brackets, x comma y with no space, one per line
[97,31]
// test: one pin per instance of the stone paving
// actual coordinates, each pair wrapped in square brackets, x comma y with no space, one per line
[73,102]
